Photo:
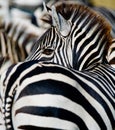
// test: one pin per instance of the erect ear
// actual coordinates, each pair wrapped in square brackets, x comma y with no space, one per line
[62,25]
[45,7]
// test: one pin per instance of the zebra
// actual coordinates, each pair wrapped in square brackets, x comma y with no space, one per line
[108,14]
[49,96]
[54,90]
[42,14]
[47,48]
[16,41]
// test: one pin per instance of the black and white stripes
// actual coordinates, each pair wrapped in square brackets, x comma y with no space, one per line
[66,82]
[52,96]
[84,44]
[111,54]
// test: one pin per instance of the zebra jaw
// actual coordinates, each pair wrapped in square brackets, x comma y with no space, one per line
[61,24]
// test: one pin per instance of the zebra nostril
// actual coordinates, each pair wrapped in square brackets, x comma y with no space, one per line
[48,51]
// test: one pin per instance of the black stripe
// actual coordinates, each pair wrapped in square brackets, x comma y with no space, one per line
[30,127]
[55,87]
[92,47]
[56,113]
[19,70]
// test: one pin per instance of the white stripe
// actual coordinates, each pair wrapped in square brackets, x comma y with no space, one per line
[49,122]
[111,56]
[58,102]
[21,75]
[89,34]
[90,53]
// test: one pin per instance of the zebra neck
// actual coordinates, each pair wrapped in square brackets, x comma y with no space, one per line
[90,42]
[88,48]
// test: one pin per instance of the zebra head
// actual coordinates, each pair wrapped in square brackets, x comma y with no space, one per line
[78,37]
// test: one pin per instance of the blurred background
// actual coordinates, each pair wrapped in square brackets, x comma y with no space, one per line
[105,3]
[27,8]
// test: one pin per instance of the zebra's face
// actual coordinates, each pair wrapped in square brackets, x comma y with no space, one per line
[53,47]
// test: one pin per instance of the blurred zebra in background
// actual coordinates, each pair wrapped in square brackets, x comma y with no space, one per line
[17,37]
[16,41]
[17,33]
[33,11]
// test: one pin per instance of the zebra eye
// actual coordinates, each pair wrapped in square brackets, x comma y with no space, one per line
[47,51]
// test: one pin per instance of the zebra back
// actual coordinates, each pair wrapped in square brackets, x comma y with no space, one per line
[42,95]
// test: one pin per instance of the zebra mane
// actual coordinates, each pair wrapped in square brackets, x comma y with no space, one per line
[71,10]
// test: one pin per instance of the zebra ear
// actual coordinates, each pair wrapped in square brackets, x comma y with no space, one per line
[45,7]
[62,25]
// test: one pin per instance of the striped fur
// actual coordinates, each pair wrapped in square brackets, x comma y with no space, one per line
[111,54]
[108,14]
[39,95]
[86,44]
[49,96]
[16,41]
